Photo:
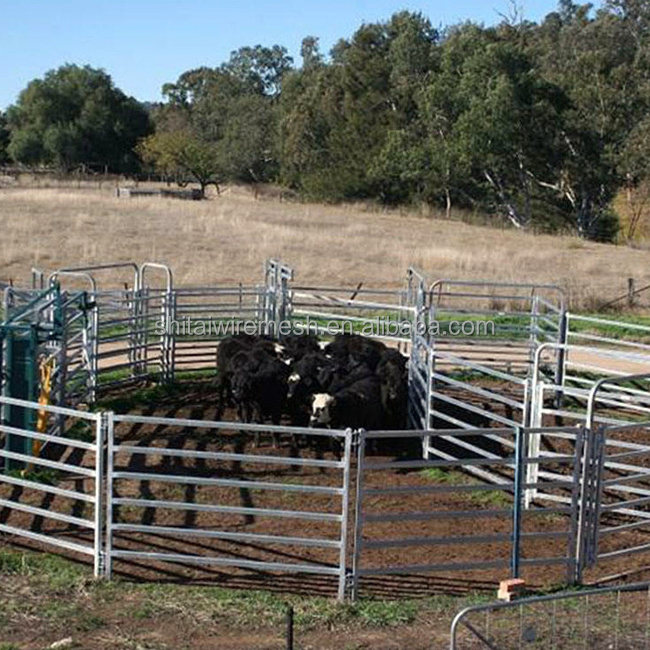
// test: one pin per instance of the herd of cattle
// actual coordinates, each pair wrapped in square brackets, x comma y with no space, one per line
[352,381]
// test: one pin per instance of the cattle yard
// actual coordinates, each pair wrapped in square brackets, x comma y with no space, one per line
[525,451]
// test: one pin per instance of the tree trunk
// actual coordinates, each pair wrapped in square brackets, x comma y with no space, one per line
[511,210]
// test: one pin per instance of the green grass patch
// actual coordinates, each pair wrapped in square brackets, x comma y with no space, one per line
[485,496]
[616,328]
[140,397]
[81,430]
[56,572]
[42,475]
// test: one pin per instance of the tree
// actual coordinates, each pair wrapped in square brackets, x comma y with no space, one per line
[635,160]
[247,148]
[4,139]
[73,117]
[509,130]
[182,156]
[232,110]
[310,53]
[336,119]
[260,68]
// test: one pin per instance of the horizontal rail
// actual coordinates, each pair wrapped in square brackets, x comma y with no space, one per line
[243,564]
[37,460]
[227,536]
[234,510]
[59,410]
[49,489]
[47,539]
[459,540]
[47,514]
[220,482]
[230,425]
[431,568]
[227,456]
[44,437]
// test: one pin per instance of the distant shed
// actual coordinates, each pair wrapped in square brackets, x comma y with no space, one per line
[185,195]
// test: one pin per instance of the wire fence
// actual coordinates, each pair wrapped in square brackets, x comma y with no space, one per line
[612,618]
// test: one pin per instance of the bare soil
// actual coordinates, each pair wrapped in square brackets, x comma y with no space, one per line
[197,400]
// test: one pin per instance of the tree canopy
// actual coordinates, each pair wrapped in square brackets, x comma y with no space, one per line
[4,139]
[534,124]
[74,117]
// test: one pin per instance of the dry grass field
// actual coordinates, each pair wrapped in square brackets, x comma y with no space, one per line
[227,238]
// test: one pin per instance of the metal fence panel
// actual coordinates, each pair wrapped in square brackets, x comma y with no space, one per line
[616,618]
[55,500]
[491,531]
[224,504]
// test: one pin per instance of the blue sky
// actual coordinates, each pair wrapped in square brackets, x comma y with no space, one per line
[145,43]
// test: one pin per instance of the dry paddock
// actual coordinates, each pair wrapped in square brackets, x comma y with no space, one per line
[224,239]
[196,403]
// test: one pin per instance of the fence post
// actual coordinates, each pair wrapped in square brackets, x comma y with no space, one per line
[516,510]
[98,542]
[110,460]
[631,292]
[560,371]
[597,493]
[573,569]
[590,494]
[345,509]
[93,351]
[358,515]
[167,342]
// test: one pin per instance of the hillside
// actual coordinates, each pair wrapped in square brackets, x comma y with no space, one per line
[227,238]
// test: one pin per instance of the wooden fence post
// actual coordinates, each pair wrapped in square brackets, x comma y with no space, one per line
[631,293]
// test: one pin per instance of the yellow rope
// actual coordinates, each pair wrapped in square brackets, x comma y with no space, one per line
[46,370]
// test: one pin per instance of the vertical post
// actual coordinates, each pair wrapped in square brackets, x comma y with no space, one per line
[165,339]
[428,424]
[573,569]
[93,350]
[534,441]
[345,510]
[560,371]
[534,330]
[173,296]
[516,510]
[100,429]
[61,373]
[289,627]
[585,507]
[143,323]
[132,306]
[358,514]
[597,494]
[631,293]
[110,460]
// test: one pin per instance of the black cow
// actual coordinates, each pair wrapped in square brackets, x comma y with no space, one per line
[297,346]
[227,355]
[357,406]
[353,349]
[259,388]
[392,375]
[304,383]
[334,378]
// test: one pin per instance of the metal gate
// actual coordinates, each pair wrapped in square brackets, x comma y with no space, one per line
[483,380]
[56,499]
[620,496]
[404,508]
[220,500]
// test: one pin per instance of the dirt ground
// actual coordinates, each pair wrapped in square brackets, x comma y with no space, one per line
[151,604]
